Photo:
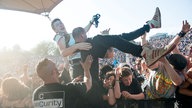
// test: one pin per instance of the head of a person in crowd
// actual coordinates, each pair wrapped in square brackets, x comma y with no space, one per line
[7,75]
[154,66]
[126,76]
[138,64]
[109,79]
[104,70]
[178,61]
[13,89]
[79,34]
[110,53]
[189,73]
[189,61]
[124,64]
[57,25]
[144,68]
[47,71]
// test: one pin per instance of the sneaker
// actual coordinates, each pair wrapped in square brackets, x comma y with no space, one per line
[152,55]
[156,20]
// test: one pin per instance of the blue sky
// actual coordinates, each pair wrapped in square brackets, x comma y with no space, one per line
[26,29]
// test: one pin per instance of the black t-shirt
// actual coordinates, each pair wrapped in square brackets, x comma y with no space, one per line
[58,96]
[94,97]
[134,88]
[98,51]
[181,96]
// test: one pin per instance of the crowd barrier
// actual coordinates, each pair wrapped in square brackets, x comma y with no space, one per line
[153,103]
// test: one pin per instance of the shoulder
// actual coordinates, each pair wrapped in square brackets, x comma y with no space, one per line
[38,89]
[74,84]
[135,82]
[57,37]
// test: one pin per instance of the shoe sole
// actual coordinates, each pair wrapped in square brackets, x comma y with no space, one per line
[159,16]
[162,55]
[159,13]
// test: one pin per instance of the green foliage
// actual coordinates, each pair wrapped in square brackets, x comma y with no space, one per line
[45,48]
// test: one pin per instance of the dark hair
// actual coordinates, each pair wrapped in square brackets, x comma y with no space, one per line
[104,70]
[52,22]
[109,74]
[126,72]
[178,61]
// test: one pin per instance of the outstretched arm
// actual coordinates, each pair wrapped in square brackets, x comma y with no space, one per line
[143,39]
[87,76]
[184,30]
[138,96]
[111,97]
[67,51]
[173,75]
[117,90]
[185,91]
[87,28]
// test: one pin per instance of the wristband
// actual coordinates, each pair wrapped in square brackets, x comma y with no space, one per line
[91,22]
[117,80]
[110,86]
[181,34]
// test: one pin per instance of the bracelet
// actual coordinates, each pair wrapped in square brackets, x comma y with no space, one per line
[110,86]
[117,80]
[91,22]
[181,34]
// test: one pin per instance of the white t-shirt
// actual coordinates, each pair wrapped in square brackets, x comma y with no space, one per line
[58,37]
[71,42]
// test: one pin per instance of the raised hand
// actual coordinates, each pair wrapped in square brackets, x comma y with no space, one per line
[105,32]
[118,72]
[126,94]
[87,64]
[186,26]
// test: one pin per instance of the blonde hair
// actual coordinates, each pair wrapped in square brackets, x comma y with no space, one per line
[44,68]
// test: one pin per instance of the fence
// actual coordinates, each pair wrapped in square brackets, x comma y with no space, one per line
[153,103]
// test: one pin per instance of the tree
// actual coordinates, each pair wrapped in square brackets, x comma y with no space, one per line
[45,48]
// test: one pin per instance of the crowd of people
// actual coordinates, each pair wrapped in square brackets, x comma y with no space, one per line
[96,74]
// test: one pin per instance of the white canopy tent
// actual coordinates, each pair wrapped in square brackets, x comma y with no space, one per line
[43,7]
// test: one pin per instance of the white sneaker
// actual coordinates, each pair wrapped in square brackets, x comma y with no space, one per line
[156,20]
[152,55]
